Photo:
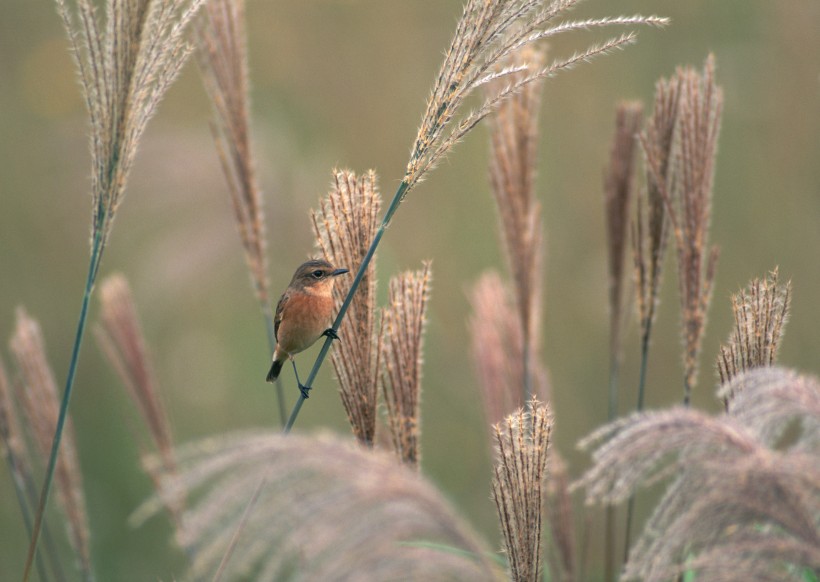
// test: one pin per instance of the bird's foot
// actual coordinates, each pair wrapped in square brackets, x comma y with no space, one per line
[304,390]
[331,333]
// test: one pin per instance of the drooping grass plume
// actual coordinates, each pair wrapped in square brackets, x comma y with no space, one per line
[335,512]
[497,349]
[689,203]
[402,334]
[120,338]
[344,225]
[513,159]
[38,395]
[740,505]
[519,482]
[761,312]
[126,64]
[563,553]
[487,32]
[618,195]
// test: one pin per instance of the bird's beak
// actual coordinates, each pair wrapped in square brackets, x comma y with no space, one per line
[337,272]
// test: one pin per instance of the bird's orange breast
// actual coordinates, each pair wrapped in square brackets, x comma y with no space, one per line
[304,319]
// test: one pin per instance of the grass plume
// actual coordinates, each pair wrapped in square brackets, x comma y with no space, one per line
[497,349]
[120,337]
[126,65]
[740,505]
[344,224]
[761,312]
[689,202]
[38,395]
[336,511]
[513,160]
[519,482]
[402,335]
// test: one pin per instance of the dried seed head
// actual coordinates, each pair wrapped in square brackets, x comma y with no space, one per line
[344,225]
[402,335]
[519,483]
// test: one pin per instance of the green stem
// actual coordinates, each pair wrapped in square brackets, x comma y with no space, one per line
[609,527]
[394,204]
[96,255]
[641,385]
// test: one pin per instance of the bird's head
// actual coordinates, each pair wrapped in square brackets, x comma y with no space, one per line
[316,277]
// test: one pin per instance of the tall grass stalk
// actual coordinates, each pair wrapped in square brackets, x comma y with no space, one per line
[125,65]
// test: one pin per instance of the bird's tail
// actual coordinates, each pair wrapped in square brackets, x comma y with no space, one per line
[275,368]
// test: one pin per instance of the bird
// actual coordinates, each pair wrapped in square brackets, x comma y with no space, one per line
[303,314]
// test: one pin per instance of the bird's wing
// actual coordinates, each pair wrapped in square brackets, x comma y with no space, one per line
[277,319]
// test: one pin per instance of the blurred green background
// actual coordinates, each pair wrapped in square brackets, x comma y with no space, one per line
[343,83]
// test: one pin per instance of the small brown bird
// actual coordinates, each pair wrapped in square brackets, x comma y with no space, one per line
[303,314]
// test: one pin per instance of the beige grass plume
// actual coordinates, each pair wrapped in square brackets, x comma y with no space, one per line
[519,482]
[761,312]
[344,226]
[334,512]
[223,63]
[402,334]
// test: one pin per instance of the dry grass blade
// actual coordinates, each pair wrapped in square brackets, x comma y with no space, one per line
[344,225]
[761,312]
[121,340]
[126,64]
[519,483]
[334,512]
[734,498]
[223,63]
[41,403]
[618,194]
[487,33]
[513,159]
[402,335]
[497,348]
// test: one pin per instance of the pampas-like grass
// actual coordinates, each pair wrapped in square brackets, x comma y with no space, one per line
[335,512]
[761,312]
[741,505]
[402,334]
[519,483]
[344,225]
[119,336]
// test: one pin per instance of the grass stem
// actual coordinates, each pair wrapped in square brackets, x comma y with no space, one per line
[641,385]
[96,255]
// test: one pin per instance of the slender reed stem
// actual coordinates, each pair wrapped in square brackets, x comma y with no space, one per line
[394,204]
[609,527]
[641,384]
[96,255]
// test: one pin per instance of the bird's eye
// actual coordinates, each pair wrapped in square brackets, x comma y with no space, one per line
[317,274]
